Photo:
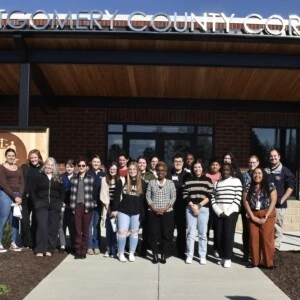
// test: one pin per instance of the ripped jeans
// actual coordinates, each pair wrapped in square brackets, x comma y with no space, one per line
[128,224]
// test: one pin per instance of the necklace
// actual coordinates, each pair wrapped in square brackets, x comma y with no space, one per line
[160,185]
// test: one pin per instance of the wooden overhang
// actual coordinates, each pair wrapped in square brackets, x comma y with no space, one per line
[151,65]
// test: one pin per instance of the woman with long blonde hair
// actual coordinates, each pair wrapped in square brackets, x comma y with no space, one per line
[128,207]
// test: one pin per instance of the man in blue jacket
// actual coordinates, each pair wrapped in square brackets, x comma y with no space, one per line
[285,183]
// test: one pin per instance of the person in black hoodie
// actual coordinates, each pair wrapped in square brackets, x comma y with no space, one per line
[47,193]
[178,175]
[30,170]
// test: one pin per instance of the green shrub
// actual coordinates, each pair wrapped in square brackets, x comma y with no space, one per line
[3,289]
[7,235]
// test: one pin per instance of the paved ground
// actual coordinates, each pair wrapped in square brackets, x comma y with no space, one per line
[107,278]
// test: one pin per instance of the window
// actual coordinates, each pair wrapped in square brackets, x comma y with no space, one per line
[160,139]
[284,139]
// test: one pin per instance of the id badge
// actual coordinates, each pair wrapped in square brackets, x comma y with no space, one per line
[175,178]
[258,205]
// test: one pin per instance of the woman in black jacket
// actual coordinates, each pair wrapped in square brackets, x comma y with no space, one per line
[30,170]
[47,193]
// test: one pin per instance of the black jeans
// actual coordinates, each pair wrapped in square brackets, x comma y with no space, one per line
[160,230]
[225,234]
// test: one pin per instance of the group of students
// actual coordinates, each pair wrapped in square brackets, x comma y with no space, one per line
[129,196]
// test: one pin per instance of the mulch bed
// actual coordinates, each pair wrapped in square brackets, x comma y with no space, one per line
[286,275]
[22,271]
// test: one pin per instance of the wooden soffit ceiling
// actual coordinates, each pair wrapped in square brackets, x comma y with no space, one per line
[155,81]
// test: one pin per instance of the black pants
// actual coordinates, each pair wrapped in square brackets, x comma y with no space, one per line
[160,231]
[145,234]
[68,222]
[212,225]
[28,229]
[47,229]
[180,225]
[245,235]
[225,234]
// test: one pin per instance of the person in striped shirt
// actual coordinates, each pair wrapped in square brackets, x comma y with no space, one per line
[197,193]
[226,203]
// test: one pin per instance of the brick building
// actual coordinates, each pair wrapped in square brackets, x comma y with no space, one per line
[154,90]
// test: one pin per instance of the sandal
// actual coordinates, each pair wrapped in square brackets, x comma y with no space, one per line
[39,255]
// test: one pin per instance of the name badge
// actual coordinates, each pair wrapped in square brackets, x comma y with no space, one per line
[175,177]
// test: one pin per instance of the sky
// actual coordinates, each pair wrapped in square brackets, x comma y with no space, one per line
[240,8]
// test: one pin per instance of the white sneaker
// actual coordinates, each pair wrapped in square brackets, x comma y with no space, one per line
[189,260]
[202,261]
[131,256]
[216,254]
[2,249]
[106,254]
[14,247]
[227,263]
[122,258]
[221,262]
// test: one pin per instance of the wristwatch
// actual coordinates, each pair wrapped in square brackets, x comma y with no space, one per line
[199,205]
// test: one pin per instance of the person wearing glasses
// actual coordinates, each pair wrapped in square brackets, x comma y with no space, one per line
[82,203]
[160,196]
[48,193]
[253,163]
[178,175]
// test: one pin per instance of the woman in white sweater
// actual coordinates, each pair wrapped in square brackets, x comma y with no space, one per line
[226,203]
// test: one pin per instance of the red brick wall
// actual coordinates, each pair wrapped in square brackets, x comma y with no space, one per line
[77,130]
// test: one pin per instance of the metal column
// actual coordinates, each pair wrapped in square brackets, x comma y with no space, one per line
[24,94]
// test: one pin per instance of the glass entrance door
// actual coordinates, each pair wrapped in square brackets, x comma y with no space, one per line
[163,140]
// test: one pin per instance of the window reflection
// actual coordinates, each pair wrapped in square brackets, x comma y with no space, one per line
[141,147]
[114,146]
[160,128]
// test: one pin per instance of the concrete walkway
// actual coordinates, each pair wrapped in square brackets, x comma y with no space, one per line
[106,278]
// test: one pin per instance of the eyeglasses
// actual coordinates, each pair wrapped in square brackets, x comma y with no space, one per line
[81,166]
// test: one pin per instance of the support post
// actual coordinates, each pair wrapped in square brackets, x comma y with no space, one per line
[24,94]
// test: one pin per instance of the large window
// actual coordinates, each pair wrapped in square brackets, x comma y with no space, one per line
[163,140]
[284,139]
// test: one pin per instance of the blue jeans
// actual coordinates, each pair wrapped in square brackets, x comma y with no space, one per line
[111,237]
[193,223]
[128,223]
[6,213]
[94,230]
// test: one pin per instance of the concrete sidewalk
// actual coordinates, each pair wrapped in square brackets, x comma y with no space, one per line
[107,278]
